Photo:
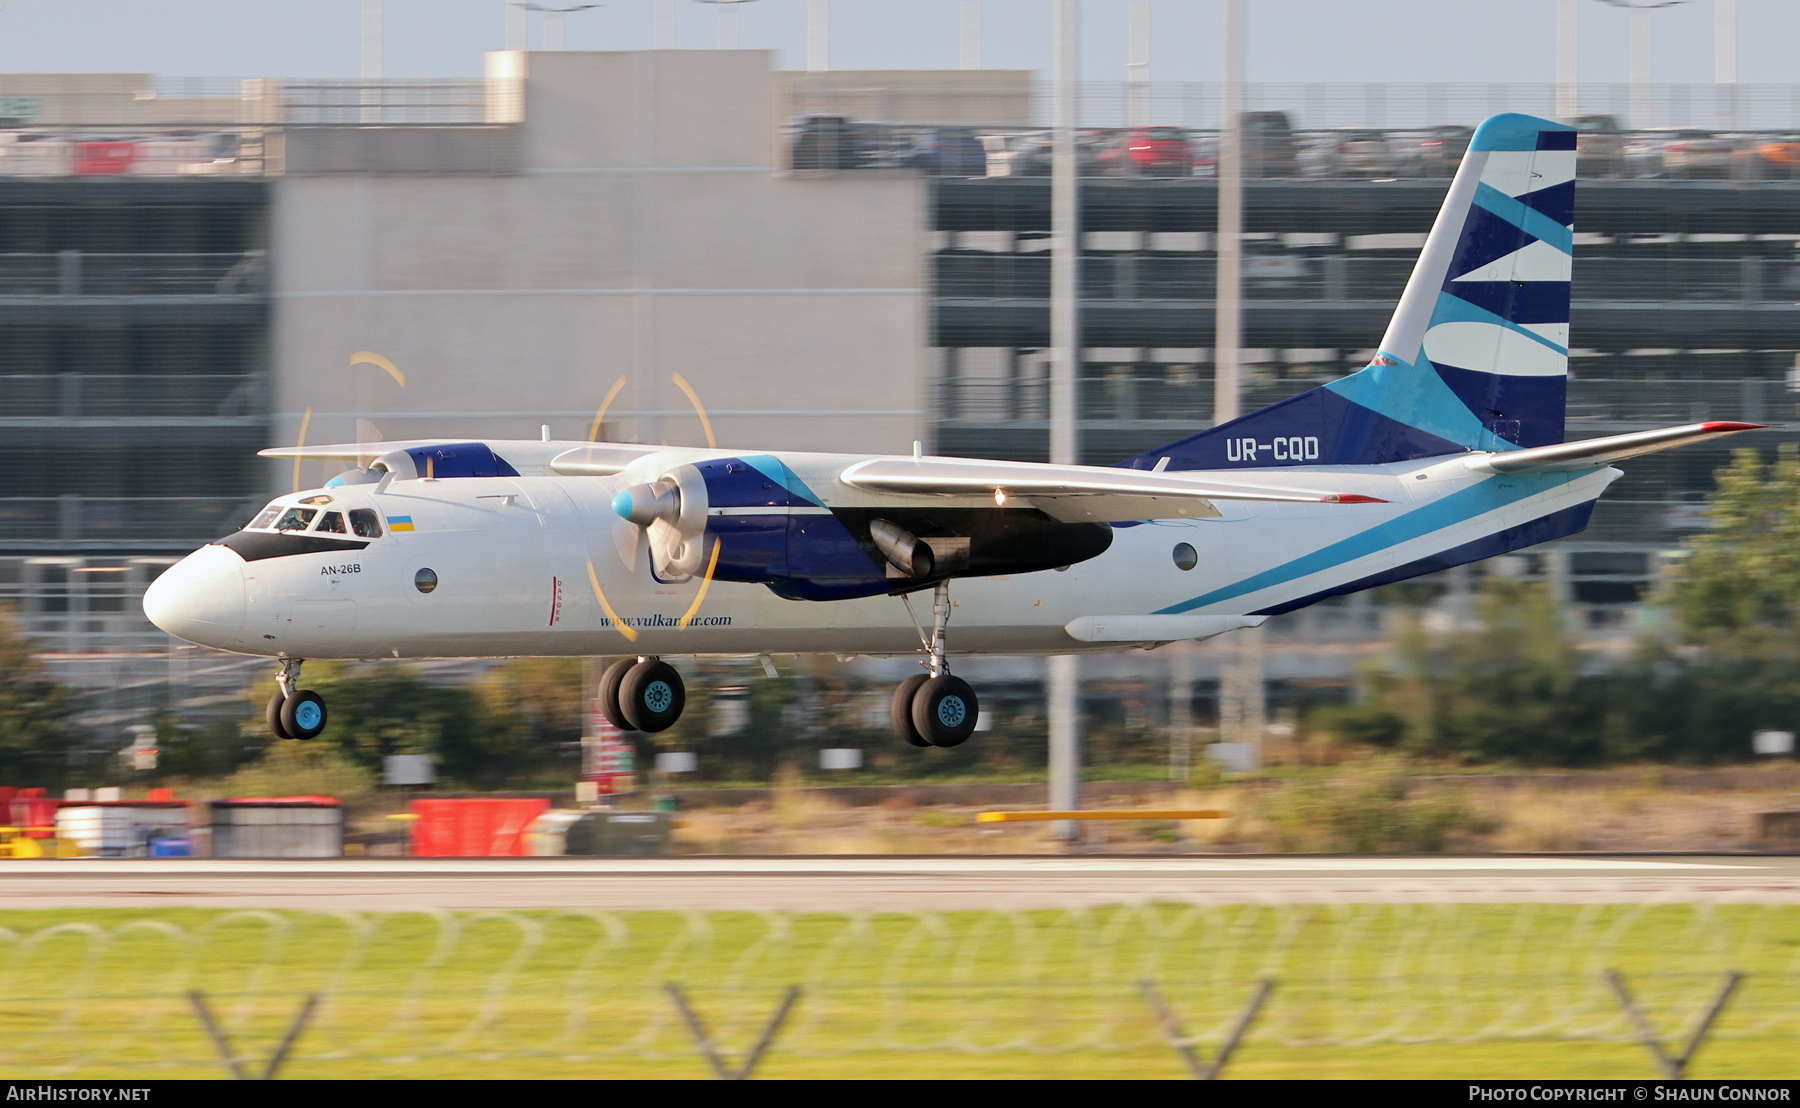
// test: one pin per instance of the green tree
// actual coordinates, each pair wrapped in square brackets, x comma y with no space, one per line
[532,709]
[212,748]
[383,709]
[1507,686]
[519,724]
[40,743]
[1742,575]
[1736,597]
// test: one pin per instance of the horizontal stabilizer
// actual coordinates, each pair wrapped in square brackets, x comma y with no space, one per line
[1040,483]
[1166,628]
[1592,453]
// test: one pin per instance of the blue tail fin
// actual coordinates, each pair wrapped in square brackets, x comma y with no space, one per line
[1476,356]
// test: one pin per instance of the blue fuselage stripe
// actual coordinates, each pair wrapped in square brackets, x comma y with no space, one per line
[1458,507]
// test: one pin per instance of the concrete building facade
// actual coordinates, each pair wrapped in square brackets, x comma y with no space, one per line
[644,232]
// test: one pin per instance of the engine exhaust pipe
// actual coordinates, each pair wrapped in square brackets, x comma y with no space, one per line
[908,553]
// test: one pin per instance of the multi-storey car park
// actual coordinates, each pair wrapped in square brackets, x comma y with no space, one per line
[835,261]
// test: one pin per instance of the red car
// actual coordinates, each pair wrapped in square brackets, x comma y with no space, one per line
[1149,152]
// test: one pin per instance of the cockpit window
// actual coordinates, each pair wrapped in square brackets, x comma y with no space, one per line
[296,519]
[332,522]
[365,523]
[267,517]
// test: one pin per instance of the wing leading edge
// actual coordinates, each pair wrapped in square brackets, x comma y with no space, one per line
[1076,493]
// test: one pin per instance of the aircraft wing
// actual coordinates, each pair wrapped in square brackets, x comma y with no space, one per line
[594,459]
[347,451]
[1589,453]
[1071,493]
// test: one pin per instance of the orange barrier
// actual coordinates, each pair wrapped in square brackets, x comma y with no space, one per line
[476,828]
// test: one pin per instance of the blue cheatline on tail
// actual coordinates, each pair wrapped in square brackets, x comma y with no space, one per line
[1477,354]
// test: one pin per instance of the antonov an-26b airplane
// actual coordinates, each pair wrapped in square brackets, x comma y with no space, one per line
[1447,448]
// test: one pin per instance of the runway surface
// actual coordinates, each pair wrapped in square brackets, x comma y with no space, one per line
[879,883]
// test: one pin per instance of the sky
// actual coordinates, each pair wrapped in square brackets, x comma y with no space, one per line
[1290,40]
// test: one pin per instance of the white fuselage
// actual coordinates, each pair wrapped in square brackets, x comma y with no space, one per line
[530,565]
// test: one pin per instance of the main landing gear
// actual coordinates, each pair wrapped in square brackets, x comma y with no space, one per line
[642,694]
[935,708]
[295,713]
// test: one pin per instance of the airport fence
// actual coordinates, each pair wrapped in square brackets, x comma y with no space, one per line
[1138,989]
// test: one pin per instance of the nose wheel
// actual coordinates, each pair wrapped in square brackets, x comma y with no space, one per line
[294,713]
[935,708]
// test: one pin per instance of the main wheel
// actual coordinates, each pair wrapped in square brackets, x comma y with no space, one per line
[610,678]
[303,714]
[651,696]
[900,710]
[273,715]
[944,711]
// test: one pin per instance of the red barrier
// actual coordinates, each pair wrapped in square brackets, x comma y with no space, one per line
[30,808]
[479,828]
[103,159]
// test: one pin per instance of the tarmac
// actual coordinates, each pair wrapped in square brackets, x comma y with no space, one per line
[891,883]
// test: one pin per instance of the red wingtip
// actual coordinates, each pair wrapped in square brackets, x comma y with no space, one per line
[1353,498]
[1724,425]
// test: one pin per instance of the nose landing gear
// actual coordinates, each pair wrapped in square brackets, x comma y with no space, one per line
[642,694]
[935,708]
[294,713]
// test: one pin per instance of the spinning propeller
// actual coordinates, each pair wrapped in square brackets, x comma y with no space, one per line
[669,514]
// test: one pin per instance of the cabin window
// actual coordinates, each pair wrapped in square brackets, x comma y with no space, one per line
[332,522]
[296,519]
[267,517]
[365,523]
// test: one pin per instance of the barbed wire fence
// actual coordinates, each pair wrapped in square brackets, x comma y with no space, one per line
[250,993]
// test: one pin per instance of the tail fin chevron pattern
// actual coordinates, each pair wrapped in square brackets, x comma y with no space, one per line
[1476,356]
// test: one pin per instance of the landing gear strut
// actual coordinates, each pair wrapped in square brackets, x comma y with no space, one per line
[642,694]
[935,708]
[294,713]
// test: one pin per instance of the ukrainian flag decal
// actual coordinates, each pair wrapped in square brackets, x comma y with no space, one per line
[400,523]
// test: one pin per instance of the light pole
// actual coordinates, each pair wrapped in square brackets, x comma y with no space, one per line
[818,35]
[1137,63]
[371,61]
[1567,40]
[553,22]
[1725,60]
[1063,683]
[728,21]
[1640,54]
[971,35]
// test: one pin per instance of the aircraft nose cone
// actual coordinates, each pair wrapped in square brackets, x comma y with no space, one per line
[200,598]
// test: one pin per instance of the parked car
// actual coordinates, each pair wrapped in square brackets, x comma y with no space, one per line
[1599,146]
[948,152]
[877,146]
[1440,150]
[822,142]
[1775,158]
[1351,153]
[1697,154]
[1034,155]
[1269,147]
[1148,152]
